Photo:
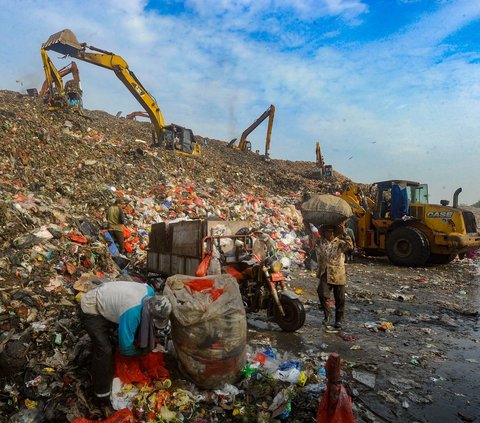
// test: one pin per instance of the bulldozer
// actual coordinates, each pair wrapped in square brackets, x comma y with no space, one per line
[244,144]
[400,223]
[173,137]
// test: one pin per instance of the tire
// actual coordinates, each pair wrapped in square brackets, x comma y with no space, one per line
[407,246]
[440,258]
[294,314]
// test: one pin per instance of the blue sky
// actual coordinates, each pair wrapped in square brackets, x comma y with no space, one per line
[390,88]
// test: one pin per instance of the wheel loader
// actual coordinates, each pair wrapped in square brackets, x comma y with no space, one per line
[401,224]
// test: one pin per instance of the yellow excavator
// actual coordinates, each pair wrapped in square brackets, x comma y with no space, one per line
[54,93]
[172,136]
[244,144]
[401,224]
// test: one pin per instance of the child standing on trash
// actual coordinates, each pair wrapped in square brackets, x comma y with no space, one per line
[331,251]
[116,220]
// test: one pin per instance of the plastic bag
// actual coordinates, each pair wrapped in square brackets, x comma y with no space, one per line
[339,413]
[119,398]
[77,238]
[336,404]
[214,267]
[28,416]
[141,369]
[121,416]
[209,332]
[203,266]
[126,232]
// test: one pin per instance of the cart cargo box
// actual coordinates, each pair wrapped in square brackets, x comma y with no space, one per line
[176,248]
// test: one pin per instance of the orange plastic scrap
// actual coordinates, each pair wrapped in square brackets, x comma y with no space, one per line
[200,284]
[126,232]
[141,369]
[154,366]
[77,238]
[234,272]
[121,416]
[205,286]
[215,293]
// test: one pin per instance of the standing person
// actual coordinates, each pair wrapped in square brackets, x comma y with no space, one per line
[135,309]
[331,251]
[116,220]
[349,253]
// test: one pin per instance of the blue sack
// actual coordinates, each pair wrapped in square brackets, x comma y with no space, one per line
[112,247]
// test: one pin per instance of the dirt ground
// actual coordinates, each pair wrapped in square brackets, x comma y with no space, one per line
[425,368]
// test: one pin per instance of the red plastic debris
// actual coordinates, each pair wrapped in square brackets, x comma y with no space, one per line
[121,416]
[77,238]
[142,369]
[126,232]
[336,404]
[203,266]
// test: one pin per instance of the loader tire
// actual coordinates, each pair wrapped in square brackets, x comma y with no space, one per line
[407,246]
[441,258]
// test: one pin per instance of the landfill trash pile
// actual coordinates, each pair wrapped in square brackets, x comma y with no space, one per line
[59,172]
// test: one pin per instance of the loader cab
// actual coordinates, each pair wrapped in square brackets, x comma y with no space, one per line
[395,196]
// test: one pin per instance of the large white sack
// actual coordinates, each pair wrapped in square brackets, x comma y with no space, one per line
[326,209]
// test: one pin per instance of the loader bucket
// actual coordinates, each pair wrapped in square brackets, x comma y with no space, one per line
[63,42]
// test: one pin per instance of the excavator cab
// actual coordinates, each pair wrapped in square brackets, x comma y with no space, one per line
[181,140]
[74,93]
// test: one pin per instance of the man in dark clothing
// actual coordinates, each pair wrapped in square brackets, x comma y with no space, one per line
[133,308]
[116,220]
[331,251]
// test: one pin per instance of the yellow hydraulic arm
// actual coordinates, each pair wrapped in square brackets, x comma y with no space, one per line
[53,80]
[65,42]
[270,113]
[54,76]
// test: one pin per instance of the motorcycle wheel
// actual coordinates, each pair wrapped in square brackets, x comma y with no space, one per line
[294,314]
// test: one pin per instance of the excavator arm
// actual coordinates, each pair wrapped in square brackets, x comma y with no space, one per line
[53,85]
[65,42]
[133,115]
[56,76]
[270,113]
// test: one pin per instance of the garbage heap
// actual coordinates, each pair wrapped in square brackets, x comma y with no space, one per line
[58,173]
[60,170]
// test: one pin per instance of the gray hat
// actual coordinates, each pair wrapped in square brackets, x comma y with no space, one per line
[160,309]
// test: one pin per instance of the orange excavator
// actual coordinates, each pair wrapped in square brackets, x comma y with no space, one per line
[133,115]
[320,161]
[244,144]
[54,93]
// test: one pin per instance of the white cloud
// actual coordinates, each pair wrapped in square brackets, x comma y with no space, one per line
[396,106]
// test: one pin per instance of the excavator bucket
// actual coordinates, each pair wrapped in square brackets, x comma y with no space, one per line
[63,42]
